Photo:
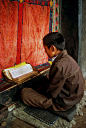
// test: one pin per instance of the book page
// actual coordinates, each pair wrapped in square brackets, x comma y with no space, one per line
[21,71]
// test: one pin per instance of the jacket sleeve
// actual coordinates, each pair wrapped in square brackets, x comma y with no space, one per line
[56,82]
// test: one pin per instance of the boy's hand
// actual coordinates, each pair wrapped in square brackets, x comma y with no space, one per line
[47,76]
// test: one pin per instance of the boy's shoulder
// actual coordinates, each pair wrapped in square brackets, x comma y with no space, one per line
[66,64]
[63,58]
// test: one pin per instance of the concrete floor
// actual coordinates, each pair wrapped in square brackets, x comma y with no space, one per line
[13,122]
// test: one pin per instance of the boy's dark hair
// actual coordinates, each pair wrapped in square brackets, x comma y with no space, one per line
[56,39]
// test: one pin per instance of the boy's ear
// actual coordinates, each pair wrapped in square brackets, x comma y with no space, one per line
[52,48]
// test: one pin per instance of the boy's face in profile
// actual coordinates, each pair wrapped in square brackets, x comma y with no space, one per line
[52,51]
[48,51]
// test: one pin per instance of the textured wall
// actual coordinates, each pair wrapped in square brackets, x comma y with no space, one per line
[82,33]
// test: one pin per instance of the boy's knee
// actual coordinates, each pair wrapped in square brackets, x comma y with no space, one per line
[25,92]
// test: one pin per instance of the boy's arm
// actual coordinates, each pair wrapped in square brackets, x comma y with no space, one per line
[56,82]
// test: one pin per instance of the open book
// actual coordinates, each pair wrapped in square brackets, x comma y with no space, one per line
[19,73]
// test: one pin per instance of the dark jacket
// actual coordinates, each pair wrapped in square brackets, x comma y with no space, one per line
[66,82]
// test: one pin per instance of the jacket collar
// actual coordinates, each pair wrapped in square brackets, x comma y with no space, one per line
[60,55]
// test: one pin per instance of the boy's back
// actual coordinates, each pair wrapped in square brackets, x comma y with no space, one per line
[66,81]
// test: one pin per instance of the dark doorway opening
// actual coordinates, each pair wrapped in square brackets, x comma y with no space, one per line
[69,26]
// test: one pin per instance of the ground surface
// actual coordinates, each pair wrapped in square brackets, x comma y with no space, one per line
[13,122]
[81,120]
[16,123]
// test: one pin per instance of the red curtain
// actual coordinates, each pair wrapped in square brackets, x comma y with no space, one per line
[8,33]
[35,26]
[17,46]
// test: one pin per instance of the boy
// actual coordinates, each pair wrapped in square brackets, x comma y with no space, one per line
[66,82]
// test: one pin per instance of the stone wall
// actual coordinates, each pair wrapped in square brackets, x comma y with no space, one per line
[82,36]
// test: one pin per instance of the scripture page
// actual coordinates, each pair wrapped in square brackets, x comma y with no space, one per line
[21,71]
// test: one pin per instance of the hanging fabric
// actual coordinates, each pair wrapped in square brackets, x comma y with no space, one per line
[8,33]
[22,28]
[35,27]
